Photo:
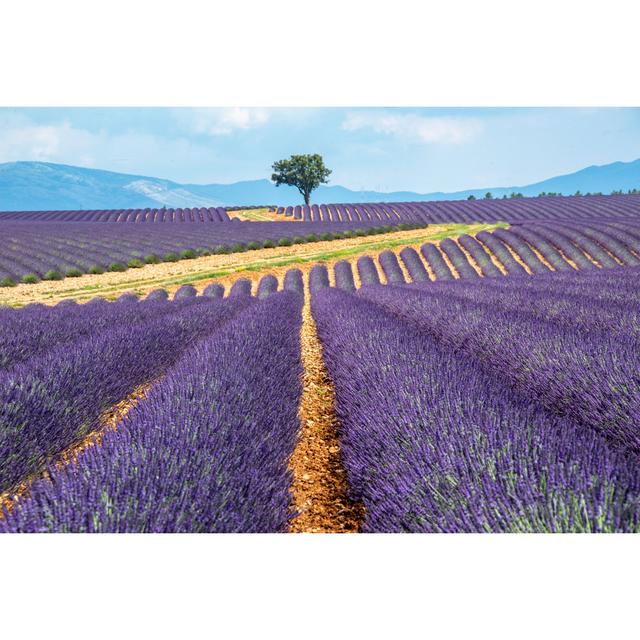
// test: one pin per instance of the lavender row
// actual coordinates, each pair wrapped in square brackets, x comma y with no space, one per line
[502,254]
[413,264]
[480,256]
[432,444]
[616,288]
[589,378]
[465,211]
[435,259]
[568,250]
[623,236]
[51,401]
[550,253]
[519,251]
[345,213]
[458,259]
[596,308]
[391,268]
[606,241]
[522,249]
[367,271]
[344,276]
[536,249]
[51,251]
[206,451]
[29,332]
[592,249]
[208,214]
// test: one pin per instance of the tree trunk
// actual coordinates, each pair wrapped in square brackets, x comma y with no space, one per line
[307,199]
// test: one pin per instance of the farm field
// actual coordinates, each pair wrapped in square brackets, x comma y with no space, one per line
[44,250]
[224,268]
[54,245]
[438,252]
[489,210]
[454,378]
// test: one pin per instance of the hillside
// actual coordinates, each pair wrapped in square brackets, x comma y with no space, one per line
[43,185]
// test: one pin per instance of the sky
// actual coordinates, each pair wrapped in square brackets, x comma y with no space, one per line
[382,149]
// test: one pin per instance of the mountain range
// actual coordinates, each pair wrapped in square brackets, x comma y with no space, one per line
[44,185]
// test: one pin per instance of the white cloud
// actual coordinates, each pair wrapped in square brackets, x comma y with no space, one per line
[129,152]
[221,122]
[425,130]
[20,138]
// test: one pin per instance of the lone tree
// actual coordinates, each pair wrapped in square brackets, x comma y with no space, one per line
[305,172]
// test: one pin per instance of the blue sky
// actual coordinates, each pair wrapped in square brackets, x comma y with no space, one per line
[384,149]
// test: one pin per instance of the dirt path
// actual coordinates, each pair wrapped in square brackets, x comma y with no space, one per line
[319,488]
[225,268]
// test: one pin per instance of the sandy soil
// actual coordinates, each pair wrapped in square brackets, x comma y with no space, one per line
[319,487]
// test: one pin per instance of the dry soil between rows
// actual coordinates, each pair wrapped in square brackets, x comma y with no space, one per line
[319,488]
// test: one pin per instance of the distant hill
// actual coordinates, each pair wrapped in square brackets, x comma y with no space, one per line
[45,185]
[597,178]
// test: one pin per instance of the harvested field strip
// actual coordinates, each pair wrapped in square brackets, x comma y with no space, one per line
[258,215]
[319,487]
[204,270]
[109,421]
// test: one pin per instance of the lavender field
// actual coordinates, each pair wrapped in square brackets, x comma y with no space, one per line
[209,214]
[484,383]
[176,465]
[487,404]
[592,207]
[52,245]
[464,416]
[37,250]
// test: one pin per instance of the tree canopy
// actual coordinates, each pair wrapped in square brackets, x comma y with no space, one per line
[305,172]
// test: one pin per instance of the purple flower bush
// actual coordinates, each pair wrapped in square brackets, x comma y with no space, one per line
[206,451]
